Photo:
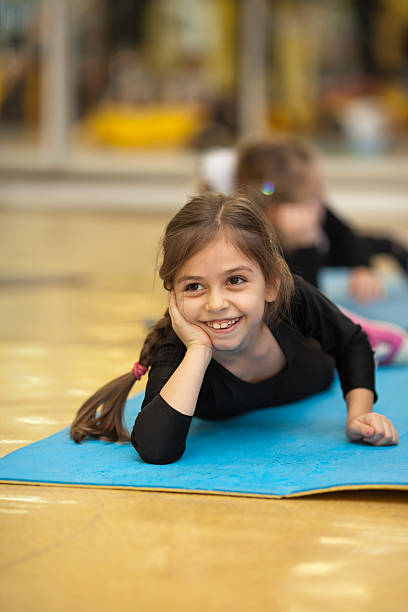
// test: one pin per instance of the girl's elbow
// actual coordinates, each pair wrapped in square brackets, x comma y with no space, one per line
[155,454]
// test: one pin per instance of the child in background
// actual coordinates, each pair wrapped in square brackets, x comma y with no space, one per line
[240,334]
[287,173]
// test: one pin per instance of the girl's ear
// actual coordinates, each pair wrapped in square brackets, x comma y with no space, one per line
[272,290]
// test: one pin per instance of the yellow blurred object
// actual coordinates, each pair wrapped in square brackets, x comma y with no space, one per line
[396,102]
[280,119]
[147,126]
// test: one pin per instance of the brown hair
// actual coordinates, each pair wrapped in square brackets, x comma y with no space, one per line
[198,223]
[284,162]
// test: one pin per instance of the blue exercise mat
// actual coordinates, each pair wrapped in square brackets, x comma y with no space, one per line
[392,308]
[291,450]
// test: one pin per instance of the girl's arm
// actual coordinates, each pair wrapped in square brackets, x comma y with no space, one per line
[348,249]
[182,389]
[319,318]
[175,380]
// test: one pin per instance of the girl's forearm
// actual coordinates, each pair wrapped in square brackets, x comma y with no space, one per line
[182,389]
[359,401]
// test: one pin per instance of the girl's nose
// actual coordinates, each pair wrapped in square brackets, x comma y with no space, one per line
[216,301]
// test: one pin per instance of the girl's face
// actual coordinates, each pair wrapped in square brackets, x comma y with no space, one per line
[224,292]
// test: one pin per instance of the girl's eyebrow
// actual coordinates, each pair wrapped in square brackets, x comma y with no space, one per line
[182,279]
[187,278]
[239,269]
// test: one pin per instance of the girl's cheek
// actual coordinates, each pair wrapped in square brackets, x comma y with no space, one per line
[180,302]
[191,310]
[183,306]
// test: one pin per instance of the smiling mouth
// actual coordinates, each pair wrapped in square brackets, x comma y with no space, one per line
[222,323]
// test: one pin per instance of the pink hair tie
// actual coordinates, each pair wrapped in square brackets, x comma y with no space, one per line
[138,370]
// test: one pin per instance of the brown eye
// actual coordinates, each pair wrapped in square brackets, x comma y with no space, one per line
[236,280]
[194,287]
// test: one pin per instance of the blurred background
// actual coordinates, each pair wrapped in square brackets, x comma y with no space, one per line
[138,88]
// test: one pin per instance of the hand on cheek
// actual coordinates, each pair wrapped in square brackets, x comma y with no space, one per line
[189,333]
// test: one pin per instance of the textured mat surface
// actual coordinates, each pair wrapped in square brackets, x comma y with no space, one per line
[392,308]
[296,449]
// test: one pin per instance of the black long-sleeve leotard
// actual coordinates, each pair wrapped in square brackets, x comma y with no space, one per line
[315,337]
[340,246]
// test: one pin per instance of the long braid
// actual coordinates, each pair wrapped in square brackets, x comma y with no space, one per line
[101,415]
[156,336]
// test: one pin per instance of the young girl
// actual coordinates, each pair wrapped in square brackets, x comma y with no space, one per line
[240,334]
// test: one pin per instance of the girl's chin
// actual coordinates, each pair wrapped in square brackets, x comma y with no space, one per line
[227,343]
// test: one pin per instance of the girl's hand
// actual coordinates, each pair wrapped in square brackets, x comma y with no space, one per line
[372,428]
[189,334]
[364,285]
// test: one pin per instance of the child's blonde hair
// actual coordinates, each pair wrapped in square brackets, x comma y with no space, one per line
[196,225]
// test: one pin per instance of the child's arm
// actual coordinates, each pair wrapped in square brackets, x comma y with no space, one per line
[347,249]
[182,389]
[160,430]
[319,318]
[363,424]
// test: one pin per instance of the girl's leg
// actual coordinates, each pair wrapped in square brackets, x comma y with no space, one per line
[388,341]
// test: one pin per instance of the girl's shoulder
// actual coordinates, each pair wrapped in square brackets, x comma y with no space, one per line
[306,293]
[303,293]
[309,307]
[315,315]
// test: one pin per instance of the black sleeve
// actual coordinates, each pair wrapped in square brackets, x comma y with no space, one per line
[305,262]
[159,433]
[317,317]
[345,247]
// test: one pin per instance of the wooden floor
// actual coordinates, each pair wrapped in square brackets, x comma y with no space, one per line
[75,292]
